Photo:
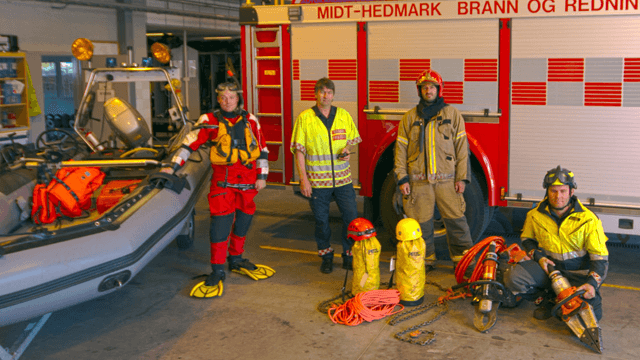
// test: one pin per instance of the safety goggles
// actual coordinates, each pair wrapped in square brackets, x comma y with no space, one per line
[227,86]
[361,233]
[559,178]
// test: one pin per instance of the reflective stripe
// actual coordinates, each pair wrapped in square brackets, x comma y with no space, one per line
[432,147]
[461,134]
[567,255]
[403,140]
[598,257]
[321,168]
[355,141]
[326,157]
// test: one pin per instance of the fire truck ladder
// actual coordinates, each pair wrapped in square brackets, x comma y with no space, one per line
[267,92]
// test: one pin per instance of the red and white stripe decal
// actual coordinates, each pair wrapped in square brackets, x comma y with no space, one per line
[342,69]
[307,90]
[410,69]
[632,70]
[384,91]
[296,69]
[565,70]
[602,94]
[480,69]
[529,93]
[453,92]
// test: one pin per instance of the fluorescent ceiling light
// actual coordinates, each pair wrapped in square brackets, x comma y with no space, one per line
[159,34]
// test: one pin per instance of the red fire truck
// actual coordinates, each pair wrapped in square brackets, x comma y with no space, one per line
[540,83]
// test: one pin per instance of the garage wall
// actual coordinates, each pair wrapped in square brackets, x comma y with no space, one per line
[50,29]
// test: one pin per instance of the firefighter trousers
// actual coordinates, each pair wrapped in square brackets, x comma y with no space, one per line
[527,279]
[420,205]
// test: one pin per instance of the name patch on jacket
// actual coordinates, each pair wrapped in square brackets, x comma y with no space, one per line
[339,134]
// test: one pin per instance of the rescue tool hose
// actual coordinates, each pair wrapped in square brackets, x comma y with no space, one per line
[366,306]
[481,248]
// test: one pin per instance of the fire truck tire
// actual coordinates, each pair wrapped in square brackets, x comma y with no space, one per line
[478,213]
[185,239]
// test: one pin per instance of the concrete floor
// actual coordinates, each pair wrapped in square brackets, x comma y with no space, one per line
[153,316]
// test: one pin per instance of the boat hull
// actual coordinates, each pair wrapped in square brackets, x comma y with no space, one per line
[47,278]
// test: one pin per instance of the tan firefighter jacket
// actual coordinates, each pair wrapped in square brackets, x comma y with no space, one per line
[445,151]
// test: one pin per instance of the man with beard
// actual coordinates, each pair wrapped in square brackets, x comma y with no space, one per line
[431,157]
[563,233]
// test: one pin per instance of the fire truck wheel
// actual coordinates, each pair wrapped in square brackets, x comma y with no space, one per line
[185,239]
[478,214]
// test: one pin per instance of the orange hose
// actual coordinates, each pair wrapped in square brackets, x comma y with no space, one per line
[366,306]
[468,257]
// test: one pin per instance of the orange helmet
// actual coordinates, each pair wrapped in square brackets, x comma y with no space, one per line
[430,76]
[360,229]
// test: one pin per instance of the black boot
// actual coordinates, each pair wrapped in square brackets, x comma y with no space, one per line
[236,262]
[347,262]
[216,275]
[543,311]
[327,263]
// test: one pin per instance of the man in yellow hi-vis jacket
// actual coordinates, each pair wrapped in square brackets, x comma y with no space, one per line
[320,141]
[563,233]
[431,157]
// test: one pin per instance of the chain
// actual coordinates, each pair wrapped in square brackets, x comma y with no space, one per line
[415,332]
[324,306]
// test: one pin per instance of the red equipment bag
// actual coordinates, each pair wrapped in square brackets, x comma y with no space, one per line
[112,192]
[68,193]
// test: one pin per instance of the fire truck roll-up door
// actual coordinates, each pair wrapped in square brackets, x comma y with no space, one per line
[465,53]
[575,90]
[317,51]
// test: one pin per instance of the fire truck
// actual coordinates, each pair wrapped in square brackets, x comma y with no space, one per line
[540,83]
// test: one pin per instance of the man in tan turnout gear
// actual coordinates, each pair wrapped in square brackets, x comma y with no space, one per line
[431,156]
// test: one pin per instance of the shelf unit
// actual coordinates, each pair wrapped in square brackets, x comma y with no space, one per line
[20,109]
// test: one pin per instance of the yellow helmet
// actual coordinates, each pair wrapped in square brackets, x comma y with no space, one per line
[408,229]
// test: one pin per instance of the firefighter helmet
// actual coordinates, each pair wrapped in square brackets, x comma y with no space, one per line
[430,76]
[559,176]
[408,229]
[360,229]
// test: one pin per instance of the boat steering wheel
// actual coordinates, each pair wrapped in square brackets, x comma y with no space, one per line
[63,142]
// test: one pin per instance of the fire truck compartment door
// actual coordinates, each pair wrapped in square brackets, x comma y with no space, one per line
[325,50]
[464,52]
[575,89]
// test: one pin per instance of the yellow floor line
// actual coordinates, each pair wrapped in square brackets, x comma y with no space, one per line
[339,255]
[621,287]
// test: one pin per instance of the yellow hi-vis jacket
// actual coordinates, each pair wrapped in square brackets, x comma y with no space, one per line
[311,137]
[445,151]
[577,244]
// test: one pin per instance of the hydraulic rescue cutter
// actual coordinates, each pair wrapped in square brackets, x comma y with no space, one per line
[575,312]
[488,293]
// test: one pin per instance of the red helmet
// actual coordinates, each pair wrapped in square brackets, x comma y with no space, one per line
[360,229]
[430,76]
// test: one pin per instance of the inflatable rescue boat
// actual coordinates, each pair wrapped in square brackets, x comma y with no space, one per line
[130,213]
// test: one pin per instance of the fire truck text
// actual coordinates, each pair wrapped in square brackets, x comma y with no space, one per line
[379,10]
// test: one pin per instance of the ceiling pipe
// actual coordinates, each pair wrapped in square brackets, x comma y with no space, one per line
[147,9]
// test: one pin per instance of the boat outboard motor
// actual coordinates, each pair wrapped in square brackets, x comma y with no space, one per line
[126,122]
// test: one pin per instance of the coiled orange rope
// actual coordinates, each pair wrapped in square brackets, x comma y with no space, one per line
[366,306]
